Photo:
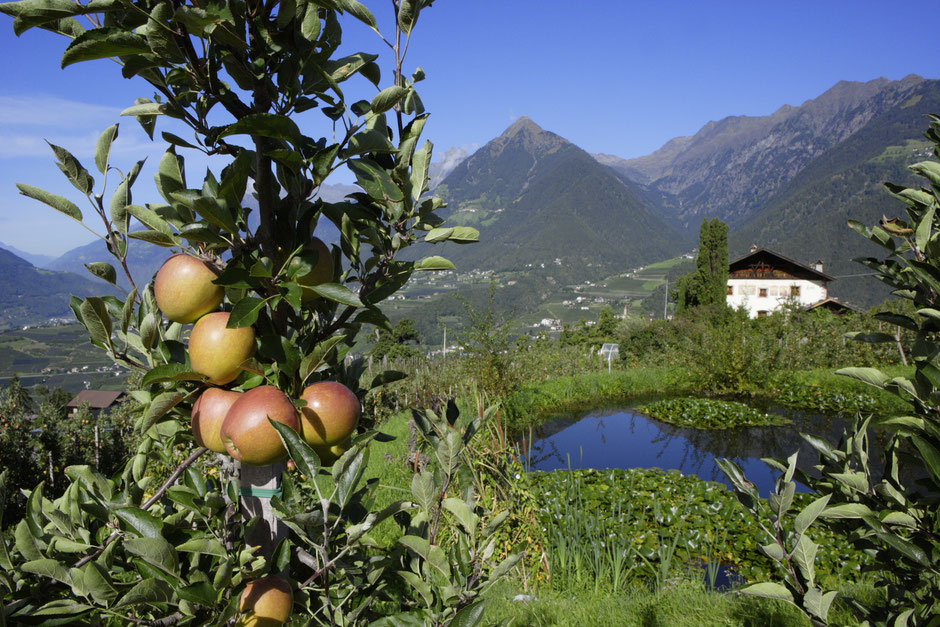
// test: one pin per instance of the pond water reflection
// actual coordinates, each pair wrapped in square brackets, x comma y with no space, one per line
[625,438]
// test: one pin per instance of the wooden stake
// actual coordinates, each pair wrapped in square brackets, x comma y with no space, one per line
[258,485]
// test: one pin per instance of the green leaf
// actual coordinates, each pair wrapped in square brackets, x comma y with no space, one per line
[265,125]
[806,517]
[387,98]
[470,616]
[103,148]
[818,603]
[62,607]
[154,237]
[25,542]
[847,510]
[375,181]
[303,455]
[97,321]
[804,554]
[48,568]
[463,514]
[337,293]
[206,546]
[424,490]
[310,27]
[98,581]
[202,593]
[438,235]
[769,590]
[159,408]
[386,377]
[433,554]
[145,109]
[359,11]
[922,234]
[151,219]
[930,455]
[245,312]
[871,376]
[141,522]
[434,264]
[103,270]
[148,591]
[408,11]
[101,43]
[60,204]
[156,552]
[73,170]
[347,473]
[170,372]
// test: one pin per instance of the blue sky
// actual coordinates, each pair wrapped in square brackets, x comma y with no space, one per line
[612,76]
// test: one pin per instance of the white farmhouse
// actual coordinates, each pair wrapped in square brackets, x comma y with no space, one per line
[763,281]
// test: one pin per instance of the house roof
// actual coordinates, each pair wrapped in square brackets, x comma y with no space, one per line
[834,305]
[96,399]
[777,260]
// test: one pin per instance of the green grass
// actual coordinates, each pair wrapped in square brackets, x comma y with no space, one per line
[565,395]
[685,604]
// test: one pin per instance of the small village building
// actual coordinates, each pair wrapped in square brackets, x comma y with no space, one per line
[97,400]
[763,281]
[834,306]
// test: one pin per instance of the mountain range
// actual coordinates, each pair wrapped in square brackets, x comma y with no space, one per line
[786,181]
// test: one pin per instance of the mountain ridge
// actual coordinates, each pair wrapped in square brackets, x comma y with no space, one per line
[730,166]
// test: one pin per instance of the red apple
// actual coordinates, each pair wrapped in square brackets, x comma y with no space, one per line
[218,352]
[322,271]
[331,414]
[246,432]
[184,289]
[208,413]
[265,602]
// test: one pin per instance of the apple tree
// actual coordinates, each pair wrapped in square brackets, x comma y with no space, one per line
[248,80]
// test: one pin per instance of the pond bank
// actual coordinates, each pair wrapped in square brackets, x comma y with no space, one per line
[811,390]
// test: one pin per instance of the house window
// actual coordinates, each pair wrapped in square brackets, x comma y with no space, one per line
[761,314]
[795,291]
[730,291]
[762,292]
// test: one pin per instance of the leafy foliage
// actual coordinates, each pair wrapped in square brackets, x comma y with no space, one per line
[635,520]
[700,413]
[129,548]
[42,443]
[396,344]
[890,509]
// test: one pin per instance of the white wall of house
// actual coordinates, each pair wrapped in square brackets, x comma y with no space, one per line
[767,295]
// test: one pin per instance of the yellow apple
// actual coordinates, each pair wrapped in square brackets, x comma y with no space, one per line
[218,352]
[265,602]
[184,289]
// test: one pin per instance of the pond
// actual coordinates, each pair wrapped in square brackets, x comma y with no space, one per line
[625,438]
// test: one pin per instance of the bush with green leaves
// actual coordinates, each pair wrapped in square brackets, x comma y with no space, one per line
[703,413]
[246,80]
[888,507]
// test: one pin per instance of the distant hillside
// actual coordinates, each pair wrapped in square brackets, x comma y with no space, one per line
[144,259]
[731,167]
[29,295]
[537,198]
[807,218]
[37,260]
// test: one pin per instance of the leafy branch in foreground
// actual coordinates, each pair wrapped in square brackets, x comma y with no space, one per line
[246,81]
[890,507]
